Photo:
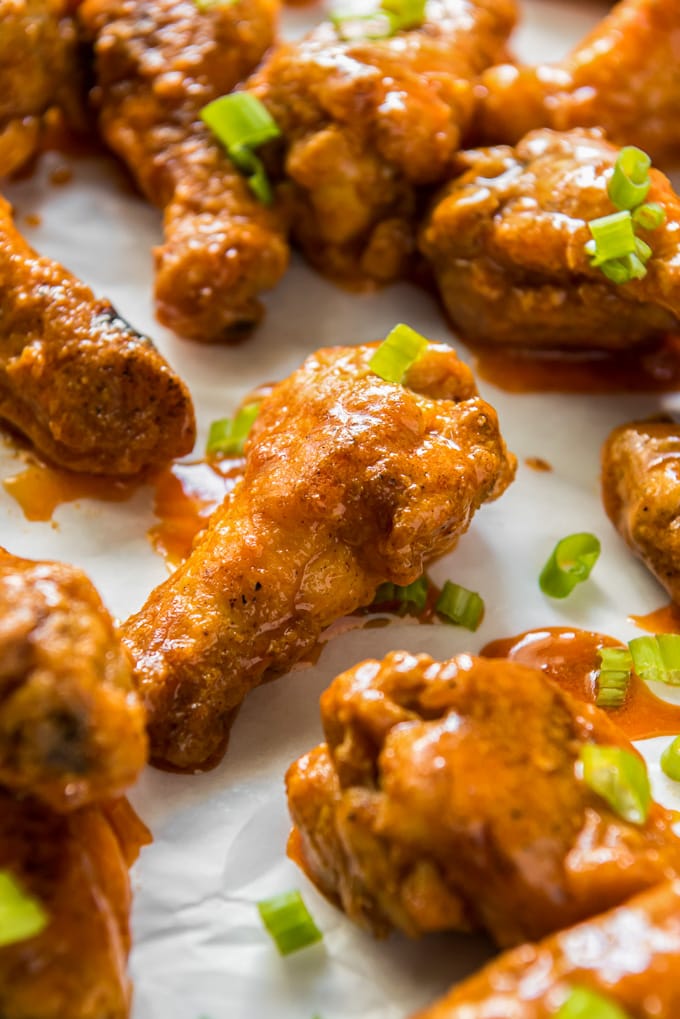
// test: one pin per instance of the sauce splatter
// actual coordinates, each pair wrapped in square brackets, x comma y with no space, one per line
[663,620]
[537,463]
[569,657]
[40,489]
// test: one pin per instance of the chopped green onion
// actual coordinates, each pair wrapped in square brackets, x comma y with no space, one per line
[583,1003]
[616,664]
[404,14]
[630,181]
[21,915]
[411,594]
[242,123]
[570,563]
[390,17]
[228,435]
[657,658]
[289,922]
[207,5]
[616,270]
[395,355]
[670,760]
[460,606]
[620,777]
[614,237]
[649,216]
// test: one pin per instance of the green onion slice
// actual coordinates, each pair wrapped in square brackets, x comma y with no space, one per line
[570,564]
[289,922]
[395,355]
[616,664]
[620,777]
[657,658]
[411,594]
[207,5]
[616,270]
[583,1003]
[21,915]
[460,606]
[649,216]
[629,184]
[614,237]
[354,27]
[242,123]
[228,435]
[404,14]
[670,760]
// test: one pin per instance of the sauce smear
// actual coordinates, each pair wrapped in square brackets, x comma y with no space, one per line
[663,620]
[569,657]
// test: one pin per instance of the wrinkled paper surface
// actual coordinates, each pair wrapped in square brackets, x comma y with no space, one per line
[219,839]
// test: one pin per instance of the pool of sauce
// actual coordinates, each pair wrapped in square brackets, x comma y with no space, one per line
[569,657]
[649,369]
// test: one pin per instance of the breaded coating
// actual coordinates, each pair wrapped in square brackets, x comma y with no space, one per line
[71,725]
[349,481]
[630,956]
[158,62]
[447,797]
[367,122]
[623,77]
[88,391]
[641,494]
[76,866]
[38,71]
[507,242]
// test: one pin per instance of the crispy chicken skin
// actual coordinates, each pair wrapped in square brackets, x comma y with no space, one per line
[446,797]
[158,62]
[38,70]
[76,866]
[630,956]
[71,726]
[641,494]
[349,481]
[88,391]
[506,242]
[365,122]
[623,77]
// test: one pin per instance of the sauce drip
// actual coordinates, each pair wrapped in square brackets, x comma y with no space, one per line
[40,489]
[663,620]
[650,369]
[569,657]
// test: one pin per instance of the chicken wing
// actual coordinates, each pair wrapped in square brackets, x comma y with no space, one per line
[630,956]
[71,726]
[88,391]
[641,494]
[158,62]
[507,242]
[623,77]
[447,796]
[38,71]
[349,481]
[365,122]
[76,866]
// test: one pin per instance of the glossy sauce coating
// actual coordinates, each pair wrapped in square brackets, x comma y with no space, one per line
[349,481]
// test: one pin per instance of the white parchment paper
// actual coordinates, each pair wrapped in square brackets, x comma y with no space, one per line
[219,839]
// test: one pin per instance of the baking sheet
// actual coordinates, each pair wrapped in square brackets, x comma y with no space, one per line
[219,839]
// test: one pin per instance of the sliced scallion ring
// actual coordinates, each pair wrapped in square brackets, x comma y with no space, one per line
[649,216]
[460,605]
[289,922]
[410,594]
[570,563]
[395,355]
[657,658]
[630,183]
[620,777]
[670,760]
[582,1003]
[242,123]
[228,435]
[405,14]
[614,237]
[21,915]
[616,664]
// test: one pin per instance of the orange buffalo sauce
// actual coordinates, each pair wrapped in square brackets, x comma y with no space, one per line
[569,657]
[663,620]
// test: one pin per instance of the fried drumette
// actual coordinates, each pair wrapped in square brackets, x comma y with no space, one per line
[365,122]
[71,726]
[641,494]
[349,481]
[447,797]
[76,866]
[158,62]
[38,71]
[87,390]
[507,242]
[623,77]
[630,957]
